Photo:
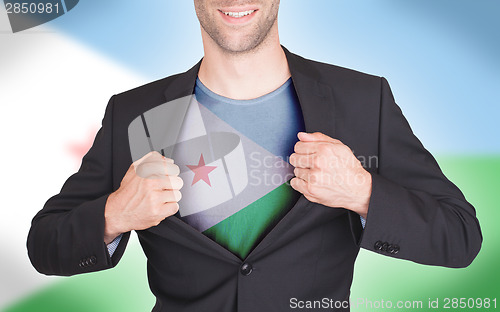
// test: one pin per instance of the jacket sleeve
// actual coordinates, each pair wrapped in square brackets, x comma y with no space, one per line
[415,212]
[67,235]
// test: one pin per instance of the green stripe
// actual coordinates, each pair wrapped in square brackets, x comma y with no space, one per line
[243,230]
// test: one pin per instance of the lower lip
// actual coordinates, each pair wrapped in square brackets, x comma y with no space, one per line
[237,20]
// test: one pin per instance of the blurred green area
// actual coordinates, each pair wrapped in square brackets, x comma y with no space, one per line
[380,278]
[377,281]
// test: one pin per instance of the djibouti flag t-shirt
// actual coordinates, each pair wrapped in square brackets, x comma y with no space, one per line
[251,141]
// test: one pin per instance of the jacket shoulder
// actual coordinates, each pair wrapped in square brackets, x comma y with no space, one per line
[132,103]
[334,74]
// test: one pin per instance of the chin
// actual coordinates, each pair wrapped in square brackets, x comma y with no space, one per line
[238,45]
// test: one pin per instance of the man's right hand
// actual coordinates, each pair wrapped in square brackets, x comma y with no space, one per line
[148,194]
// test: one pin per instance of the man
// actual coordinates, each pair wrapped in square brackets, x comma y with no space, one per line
[261,247]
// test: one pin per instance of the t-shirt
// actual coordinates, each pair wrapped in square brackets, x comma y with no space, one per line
[243,174]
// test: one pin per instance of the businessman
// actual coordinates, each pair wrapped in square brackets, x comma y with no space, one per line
[216,240]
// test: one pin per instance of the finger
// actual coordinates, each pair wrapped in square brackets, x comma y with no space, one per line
[171,196]
[303,174]
[132,170]
[302,160]
[143,158]
[316,137]
[157,157]
[172,169]
[169,160]
[152,156]
[172,183]
[301,186]
[157,169]
[310,176]
[133,167]
[171,208]
[305,148]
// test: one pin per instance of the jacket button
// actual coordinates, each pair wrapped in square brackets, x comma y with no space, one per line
[396,249]
[93,260]
[390,249]
[246,269]
[83,263]
[384,246]
[378,245]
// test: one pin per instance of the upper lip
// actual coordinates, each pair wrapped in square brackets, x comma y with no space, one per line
[239,9]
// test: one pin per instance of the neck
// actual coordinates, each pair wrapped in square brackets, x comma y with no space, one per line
[244,76]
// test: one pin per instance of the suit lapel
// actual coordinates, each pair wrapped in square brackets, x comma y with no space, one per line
[318,109]
[316,99]
[183,85]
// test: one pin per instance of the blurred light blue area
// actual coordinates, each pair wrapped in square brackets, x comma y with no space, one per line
[440,57]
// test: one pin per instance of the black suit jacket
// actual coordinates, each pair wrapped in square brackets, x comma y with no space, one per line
[415,212]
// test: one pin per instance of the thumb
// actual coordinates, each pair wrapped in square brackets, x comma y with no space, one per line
[143,158]
[152,156]
[316,137]
[132,168]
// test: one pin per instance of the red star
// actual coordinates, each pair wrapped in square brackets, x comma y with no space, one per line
[201,171]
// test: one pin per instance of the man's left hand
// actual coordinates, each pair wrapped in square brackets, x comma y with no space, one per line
[328,173]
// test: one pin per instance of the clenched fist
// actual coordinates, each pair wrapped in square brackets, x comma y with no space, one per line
[328,173]
[148,193]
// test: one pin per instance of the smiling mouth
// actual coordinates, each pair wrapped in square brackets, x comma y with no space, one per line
[238,14]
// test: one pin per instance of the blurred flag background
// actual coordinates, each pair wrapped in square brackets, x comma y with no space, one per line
[440,57]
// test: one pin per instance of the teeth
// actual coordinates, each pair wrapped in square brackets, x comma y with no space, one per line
[239,14]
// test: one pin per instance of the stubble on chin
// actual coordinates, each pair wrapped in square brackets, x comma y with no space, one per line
[243,45]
